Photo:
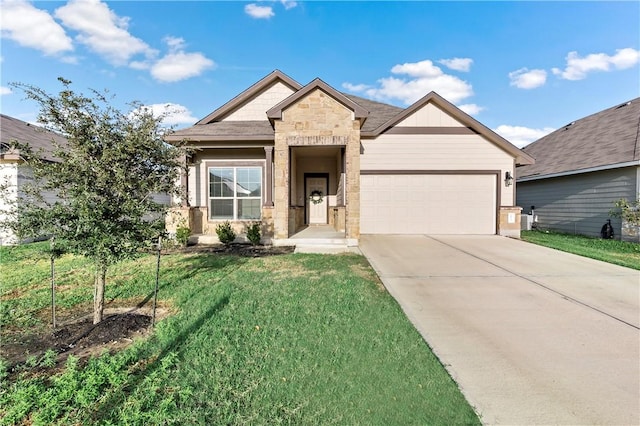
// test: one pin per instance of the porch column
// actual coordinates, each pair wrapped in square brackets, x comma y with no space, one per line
[184,181]
[268,201]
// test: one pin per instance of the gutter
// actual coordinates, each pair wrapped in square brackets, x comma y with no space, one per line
[579,171]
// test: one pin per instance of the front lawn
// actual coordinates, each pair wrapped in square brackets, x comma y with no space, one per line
[289,339]
[612,251]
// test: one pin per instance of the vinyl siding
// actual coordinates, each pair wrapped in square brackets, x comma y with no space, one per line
[257,107]
[9,177]
[429,115]
[578,204]
[437,152]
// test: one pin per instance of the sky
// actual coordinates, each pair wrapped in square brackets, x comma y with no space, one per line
[521,68]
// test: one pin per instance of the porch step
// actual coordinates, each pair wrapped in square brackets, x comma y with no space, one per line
[320,245]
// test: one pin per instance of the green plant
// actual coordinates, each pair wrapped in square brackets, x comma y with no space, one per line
[253,233]
[182,235]
[629,211]
[225,232]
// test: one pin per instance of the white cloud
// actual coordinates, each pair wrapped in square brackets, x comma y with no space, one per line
[471,109]
[521,136]
[177,65]
[31,27]
[355,87]
[259,12]
[458,64]
[578,67]
[528,79]
[289,4]
[102,31]
[5,91]
[173,114]
[424,78]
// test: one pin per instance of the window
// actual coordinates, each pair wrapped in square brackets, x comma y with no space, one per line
[235,193]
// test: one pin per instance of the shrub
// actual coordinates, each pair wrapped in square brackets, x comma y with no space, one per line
[182,235]
[226,234]
[253,233]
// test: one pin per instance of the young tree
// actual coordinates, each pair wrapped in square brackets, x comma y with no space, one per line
[104,182]
[629,211]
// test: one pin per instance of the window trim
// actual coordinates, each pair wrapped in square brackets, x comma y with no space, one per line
[234,165]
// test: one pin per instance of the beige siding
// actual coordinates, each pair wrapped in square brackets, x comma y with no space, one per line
[437,152]
[429,115]
[9,177]
[257,107]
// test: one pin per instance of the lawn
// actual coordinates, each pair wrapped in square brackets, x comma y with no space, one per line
[289,339]
[612,251]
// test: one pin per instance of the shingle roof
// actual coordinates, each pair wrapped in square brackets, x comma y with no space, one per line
[379,113]
[606,138]
[39,139]
[226,131]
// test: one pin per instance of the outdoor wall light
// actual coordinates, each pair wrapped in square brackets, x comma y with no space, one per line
[508,179]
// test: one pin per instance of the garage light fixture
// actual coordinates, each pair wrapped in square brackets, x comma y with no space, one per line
[508,179]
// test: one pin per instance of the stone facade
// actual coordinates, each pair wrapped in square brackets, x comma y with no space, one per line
[317,119]
[509,221]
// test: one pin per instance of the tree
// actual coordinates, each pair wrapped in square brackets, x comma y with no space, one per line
[104,182]
[629,211]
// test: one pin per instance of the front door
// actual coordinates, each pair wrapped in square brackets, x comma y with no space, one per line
[316,196]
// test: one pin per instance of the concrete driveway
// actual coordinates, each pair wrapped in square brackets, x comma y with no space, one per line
[531,335]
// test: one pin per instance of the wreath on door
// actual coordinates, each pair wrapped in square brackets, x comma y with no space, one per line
[316,197]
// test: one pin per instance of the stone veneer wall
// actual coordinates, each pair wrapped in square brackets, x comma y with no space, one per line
[506,227]
[316,120]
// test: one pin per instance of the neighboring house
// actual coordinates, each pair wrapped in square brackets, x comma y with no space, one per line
[290,156]
[13,173]
[582,169]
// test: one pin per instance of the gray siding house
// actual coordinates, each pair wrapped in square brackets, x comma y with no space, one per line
[14,174]
[581,169]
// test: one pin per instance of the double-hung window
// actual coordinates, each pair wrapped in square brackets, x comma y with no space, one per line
[235,193]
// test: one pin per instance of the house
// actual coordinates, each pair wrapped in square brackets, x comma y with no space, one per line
[293,156]
[581,169]
[13,173]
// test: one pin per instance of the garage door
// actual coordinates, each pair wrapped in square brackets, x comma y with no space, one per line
[428,204]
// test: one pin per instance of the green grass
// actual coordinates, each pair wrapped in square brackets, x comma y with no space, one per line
[294,339]
[621,253]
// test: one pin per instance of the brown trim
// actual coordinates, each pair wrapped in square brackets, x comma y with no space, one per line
[430,131]
[276,111]
[430,172]
[254,89]
[268,174]
[220,138]
[496,173]
[233,163]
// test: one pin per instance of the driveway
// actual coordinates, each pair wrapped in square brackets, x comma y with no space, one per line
[531,335]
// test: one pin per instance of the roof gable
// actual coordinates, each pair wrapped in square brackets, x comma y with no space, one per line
[270,81]
[359,112]
[604,139]
[435,111]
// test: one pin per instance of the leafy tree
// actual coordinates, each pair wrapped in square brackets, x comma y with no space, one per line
[108,172]
[629,211]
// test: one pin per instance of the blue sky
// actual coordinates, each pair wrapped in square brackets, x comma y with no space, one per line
[521,68]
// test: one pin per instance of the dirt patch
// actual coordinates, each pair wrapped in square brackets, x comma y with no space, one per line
[80,338]
[244,250]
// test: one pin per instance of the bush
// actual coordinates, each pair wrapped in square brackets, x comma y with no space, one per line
[253,233]
[226,234]
[182,235]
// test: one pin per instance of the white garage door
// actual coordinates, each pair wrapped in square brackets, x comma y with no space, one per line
[428,204]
